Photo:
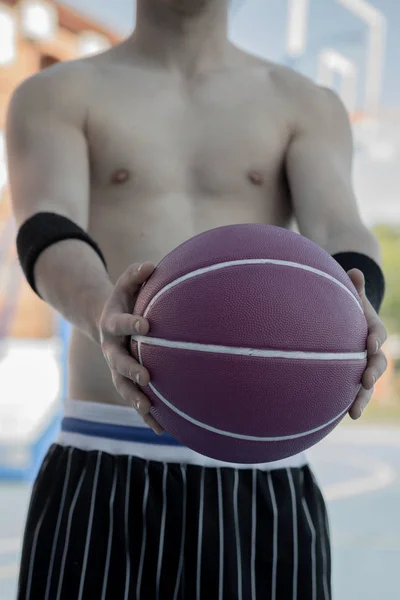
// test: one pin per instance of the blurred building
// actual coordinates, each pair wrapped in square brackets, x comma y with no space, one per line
[34,34]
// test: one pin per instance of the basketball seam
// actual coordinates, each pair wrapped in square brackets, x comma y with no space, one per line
[240,436]
[249,352]
[245,262]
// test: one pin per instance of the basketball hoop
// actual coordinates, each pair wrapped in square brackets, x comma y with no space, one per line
[371,139]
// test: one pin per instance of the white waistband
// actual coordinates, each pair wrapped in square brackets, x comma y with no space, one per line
[125,416]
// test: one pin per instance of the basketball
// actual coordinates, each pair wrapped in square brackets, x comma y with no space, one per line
[257,343]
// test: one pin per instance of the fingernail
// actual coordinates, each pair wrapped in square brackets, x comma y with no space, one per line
[137,326]
[373,380]
[138,378]
[362,409]
[138,406]
[140,268]
[377,346]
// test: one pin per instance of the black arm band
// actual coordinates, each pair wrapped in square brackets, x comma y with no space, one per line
[374,278]
[43,230]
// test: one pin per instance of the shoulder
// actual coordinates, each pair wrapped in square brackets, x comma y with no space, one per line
[305,92]
[62,87]
[302,98]
[310,104]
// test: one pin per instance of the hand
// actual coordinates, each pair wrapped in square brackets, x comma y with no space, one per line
[377,336]
[117,325]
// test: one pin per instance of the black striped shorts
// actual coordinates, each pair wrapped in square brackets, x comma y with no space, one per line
[103,526]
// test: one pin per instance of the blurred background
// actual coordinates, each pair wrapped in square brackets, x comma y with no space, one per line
[350,45]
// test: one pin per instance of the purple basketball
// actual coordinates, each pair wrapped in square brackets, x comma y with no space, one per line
[257,343]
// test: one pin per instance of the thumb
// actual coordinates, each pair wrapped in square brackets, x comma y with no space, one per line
[358,280]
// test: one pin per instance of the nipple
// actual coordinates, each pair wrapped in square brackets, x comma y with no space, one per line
[120,176]
[255,178]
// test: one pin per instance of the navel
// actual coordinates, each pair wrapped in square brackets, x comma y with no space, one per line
[120,176]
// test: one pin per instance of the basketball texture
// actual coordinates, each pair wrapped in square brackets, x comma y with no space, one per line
[257,343]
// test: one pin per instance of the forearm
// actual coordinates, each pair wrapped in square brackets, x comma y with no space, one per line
[354,239]
[359,249]
[71,277]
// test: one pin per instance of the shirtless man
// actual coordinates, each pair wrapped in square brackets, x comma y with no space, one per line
[169,134]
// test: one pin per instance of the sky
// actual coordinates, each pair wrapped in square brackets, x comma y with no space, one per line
[260,27]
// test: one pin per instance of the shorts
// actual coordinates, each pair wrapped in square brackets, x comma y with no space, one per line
[110,526]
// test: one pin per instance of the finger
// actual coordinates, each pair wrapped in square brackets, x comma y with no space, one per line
[377,365]
[129,393]
[151,422]
[377,331]
[363,398]
[134,277]
[125,325]
[377,336]
[143,406]
[358,280]
[132,395]
[135,398]
[122,363]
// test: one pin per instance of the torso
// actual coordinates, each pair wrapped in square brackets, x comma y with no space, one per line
[169,161]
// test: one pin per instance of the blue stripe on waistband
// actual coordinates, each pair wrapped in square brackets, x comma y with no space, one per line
[143,435]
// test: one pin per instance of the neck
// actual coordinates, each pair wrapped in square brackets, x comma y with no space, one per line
[181,37]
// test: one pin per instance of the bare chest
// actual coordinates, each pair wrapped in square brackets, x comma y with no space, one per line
[211,139]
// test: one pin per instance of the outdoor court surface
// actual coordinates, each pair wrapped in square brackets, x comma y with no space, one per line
[359,468]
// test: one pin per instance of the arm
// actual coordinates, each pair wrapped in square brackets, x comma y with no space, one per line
[319,168]
[49,172]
